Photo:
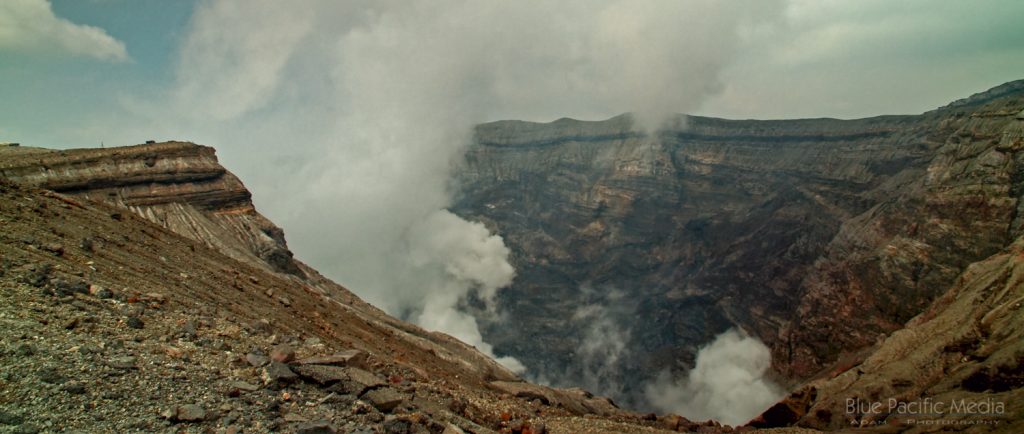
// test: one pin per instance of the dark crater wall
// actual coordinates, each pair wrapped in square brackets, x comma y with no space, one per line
[818,236]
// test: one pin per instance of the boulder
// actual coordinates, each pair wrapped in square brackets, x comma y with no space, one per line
[189,413]
[315,427]
[365,378]
[384,399]
[322,374]
[354,358]
[277,373]
[283,353]
[256,359]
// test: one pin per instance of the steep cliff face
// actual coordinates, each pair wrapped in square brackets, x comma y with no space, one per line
[959,363]
[178,185]
[819,236]
[887,264]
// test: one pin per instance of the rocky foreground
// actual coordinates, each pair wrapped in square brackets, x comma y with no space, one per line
[140,299]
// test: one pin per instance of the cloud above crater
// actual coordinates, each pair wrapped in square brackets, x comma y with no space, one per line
[31,27]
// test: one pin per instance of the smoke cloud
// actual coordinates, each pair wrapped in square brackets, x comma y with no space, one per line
[346,118]
[603,319]
[728,383]
[473,261]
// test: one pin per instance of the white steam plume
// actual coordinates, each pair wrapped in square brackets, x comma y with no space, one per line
[472,259]
[345,118]
[728,383]
[603,345]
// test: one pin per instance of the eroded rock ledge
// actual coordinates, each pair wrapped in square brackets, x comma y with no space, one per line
[178,185]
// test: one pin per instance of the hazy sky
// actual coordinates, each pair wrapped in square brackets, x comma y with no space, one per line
[63,69]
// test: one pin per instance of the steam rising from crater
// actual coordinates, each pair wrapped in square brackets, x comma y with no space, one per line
[728,383]
[603,318]
[346,118]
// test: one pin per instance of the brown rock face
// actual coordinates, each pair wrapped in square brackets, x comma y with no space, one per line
[961,361]
[886,265]
[819,236]
[181,187]
[178,185]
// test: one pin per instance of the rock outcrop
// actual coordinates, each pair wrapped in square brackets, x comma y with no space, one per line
[178,185]
[819,236]
[959,365]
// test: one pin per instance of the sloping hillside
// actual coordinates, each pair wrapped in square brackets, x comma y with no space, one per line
[115,323]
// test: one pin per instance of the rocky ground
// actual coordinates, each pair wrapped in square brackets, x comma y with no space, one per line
[110,323]
[87,346]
